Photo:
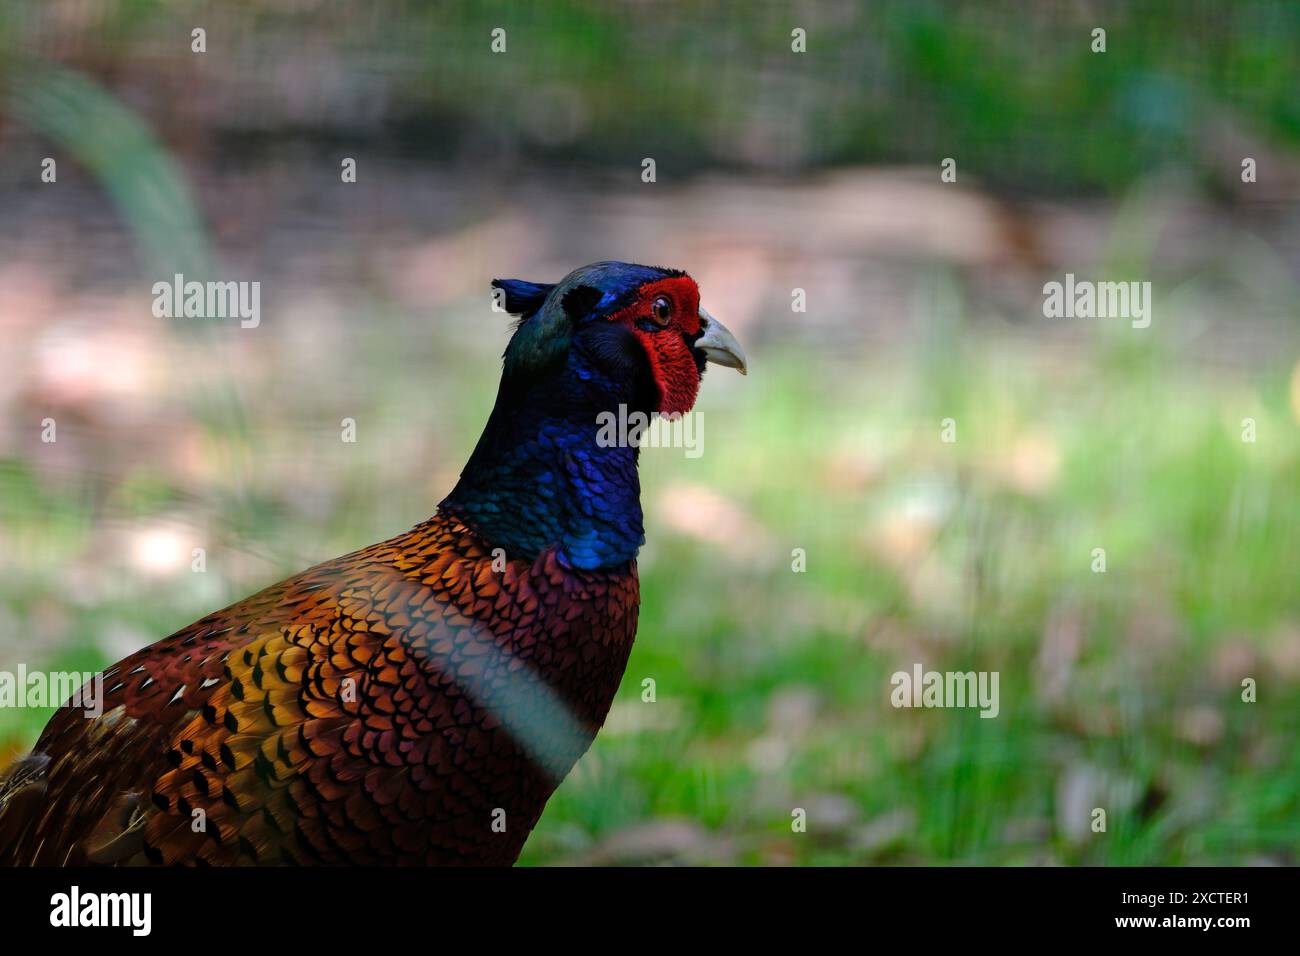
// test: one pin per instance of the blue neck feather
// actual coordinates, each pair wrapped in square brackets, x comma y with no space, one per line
[538,478]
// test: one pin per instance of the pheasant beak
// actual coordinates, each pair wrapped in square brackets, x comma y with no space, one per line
[719,345]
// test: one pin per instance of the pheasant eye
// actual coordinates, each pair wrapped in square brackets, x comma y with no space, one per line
[661,309]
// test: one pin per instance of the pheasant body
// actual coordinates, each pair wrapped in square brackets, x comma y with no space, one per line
[417,701]
[249,723]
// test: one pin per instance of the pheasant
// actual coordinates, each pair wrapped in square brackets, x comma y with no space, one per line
[417,701]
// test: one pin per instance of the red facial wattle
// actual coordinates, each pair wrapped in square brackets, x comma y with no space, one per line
[672,363]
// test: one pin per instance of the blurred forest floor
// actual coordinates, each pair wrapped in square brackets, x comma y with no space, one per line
[924,302]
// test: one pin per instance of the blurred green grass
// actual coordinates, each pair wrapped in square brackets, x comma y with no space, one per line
[772,686]
[1153,470]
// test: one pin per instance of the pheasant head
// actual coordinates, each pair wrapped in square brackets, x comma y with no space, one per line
[606,337]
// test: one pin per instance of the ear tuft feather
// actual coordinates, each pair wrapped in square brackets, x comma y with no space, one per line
[523,298]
